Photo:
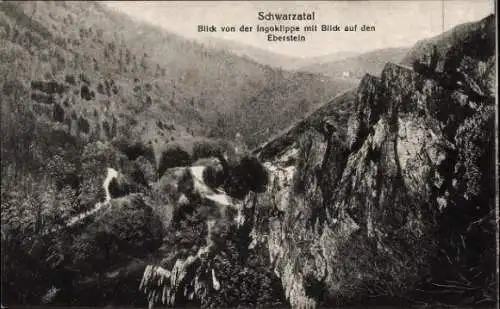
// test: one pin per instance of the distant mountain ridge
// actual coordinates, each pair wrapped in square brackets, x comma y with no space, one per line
[343,65]
[357,65]
[333,65]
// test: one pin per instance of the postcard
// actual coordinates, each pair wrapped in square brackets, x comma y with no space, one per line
[258,154]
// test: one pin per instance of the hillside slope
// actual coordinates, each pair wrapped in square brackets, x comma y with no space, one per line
[256,54]
[155,74]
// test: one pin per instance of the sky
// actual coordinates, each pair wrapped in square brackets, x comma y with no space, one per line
[397,23]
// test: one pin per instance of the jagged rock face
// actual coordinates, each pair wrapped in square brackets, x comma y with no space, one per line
[363,212]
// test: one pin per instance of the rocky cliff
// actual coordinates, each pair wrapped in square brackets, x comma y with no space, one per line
[402,200]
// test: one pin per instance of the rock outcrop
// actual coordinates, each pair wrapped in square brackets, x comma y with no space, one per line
[375,210]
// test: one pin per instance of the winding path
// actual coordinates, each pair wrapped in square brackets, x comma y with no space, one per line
[111,173]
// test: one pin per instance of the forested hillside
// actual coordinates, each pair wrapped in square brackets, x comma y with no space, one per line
[154,73]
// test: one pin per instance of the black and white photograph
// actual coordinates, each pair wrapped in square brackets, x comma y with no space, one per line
[249,154]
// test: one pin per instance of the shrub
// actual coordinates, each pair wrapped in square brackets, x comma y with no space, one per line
[85,93]
[214,175]
[254,173]
[100,88]
[247,175]
[84,78]
[106,129]
[10,87]
[83,125]
[135,150]
[143,172]
[207,148]
[42,98]
[58,113]
[120,186]
[173,157]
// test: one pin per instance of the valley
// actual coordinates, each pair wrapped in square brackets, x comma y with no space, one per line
[143,169]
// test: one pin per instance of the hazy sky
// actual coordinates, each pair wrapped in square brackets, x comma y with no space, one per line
[397,23]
